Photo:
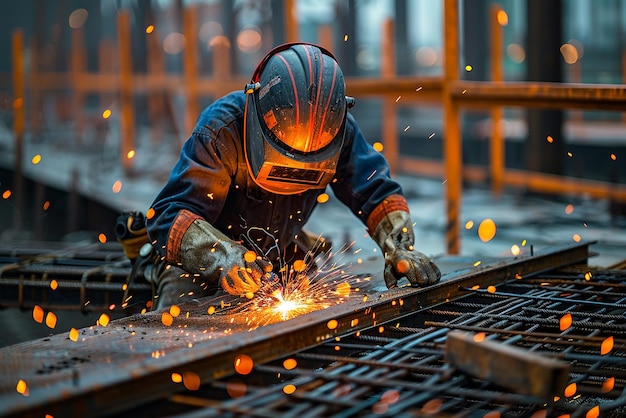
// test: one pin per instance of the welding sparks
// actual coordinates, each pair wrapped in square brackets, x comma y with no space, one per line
[303,286]
[287,308]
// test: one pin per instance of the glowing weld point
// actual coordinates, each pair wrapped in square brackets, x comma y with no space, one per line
[285,307]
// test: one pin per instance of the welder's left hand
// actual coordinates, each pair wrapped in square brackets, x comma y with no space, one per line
[394,235]
[414,265]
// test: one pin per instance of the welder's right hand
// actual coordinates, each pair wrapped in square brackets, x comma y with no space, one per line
[244,278]
[208,252]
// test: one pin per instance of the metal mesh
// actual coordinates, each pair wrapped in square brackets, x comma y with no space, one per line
[88,276]
[399,368]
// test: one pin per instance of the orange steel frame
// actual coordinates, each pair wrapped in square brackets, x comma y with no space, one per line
[449,91]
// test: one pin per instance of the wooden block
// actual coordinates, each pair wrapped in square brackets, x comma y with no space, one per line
[522,371]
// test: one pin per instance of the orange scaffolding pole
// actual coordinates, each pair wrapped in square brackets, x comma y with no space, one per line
[127,114]
[18,122]
[497,113]
[452,127]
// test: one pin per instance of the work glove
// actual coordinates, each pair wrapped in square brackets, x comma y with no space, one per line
[130,231]
[395,237]
[207,251]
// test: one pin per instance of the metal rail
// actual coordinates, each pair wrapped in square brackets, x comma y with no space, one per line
[133,361]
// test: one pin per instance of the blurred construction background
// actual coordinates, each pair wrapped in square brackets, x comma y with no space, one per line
[509,110]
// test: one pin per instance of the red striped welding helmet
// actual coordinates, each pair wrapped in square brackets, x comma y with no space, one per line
[295,119]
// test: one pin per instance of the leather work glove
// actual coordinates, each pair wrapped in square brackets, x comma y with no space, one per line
[395,237]
[207,251]
[130,231]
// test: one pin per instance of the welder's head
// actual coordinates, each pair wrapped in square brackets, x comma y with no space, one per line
[295,119]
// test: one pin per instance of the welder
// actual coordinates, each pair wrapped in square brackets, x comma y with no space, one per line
[249,177]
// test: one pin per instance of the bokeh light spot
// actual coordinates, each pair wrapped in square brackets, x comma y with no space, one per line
[323,198]
[74,334]
[104,320]
[487,230]
[243,364]
[117,186]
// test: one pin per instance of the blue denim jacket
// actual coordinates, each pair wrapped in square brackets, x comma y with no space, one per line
[211,181]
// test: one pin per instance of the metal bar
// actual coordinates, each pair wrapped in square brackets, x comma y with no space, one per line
[126,91]
[479,94]
[190,66]
[453,161]
[497,74]
[389,111]
[19,123]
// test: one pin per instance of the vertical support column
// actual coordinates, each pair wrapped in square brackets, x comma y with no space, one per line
[18,124]
[222,68]
[35,119]
[127,116]
[106,67]
[291,21]
[78,59]
[158,94]
[325,37]
[390,115]
[452,128]
[497,113]
[190,67]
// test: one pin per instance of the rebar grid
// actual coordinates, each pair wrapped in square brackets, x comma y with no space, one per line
[89,277]
[399,368]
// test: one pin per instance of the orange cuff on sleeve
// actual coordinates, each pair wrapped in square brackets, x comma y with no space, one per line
[390,204]
[179,227]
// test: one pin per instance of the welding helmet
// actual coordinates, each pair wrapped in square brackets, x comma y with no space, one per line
[295,119]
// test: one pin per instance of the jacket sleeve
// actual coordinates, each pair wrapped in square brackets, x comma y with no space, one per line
[362,179]
[196,189]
